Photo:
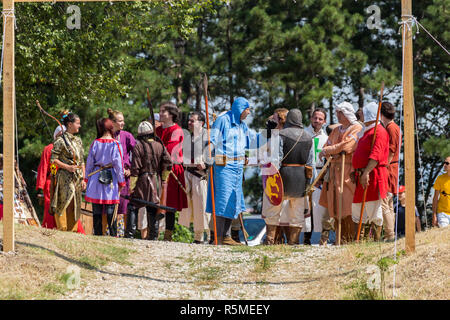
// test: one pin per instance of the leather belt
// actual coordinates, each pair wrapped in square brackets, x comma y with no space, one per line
[221,160]
[292,165]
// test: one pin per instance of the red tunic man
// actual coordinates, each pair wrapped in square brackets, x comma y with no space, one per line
[370,164]
[43,182]
[172,136]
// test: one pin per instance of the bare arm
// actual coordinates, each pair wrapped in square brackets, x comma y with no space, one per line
[435,205]
[365,175]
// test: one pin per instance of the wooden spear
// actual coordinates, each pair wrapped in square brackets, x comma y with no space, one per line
[341,198]
[205,88]
[371,147]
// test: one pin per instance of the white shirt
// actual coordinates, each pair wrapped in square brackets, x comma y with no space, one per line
[318,139]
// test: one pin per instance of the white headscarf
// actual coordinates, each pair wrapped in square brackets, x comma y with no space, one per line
[370,112]
[347,109]
[58,131]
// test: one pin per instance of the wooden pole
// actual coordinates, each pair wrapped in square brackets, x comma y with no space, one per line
[341,198]
[8,126]
[408,113]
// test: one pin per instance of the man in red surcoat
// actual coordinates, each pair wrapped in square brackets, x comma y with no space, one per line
[370,171]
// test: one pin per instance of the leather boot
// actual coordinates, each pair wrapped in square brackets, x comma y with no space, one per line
[271,231]
[307,238]
[98,225]
[153,226]
[168,235]
[228,241]
[235,235]
[112,225]
[294,234]
[355,230]
[211,237]
[377,232]
[130,230]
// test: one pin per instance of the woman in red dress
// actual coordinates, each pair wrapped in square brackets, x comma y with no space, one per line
[172,136]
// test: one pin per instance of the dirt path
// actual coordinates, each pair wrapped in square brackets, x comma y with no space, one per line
[162,270]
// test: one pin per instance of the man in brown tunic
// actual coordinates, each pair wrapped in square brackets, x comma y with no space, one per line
[343,138]
[150,167]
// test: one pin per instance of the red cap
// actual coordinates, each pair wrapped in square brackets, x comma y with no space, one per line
[401,189]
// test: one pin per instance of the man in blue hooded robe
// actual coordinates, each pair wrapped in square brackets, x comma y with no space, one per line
[230,137]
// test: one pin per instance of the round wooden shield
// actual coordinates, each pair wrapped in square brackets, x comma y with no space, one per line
[272,184]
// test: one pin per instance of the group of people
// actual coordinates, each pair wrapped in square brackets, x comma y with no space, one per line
[131,180]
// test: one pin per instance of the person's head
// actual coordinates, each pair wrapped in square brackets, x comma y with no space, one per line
[71,121]
[105,126]
[240,109]
[345,114]
[387,111]
[401,193]
[447,165]
[145,130]
[196,120]
[370,113]
[58,132]
[279,116]
[294,119]
[318,118]
[168,112]
[359,115]
[117,118]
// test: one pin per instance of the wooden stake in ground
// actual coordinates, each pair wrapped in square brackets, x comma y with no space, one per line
[9,98]
[341,198]
[408,111]
[211,177]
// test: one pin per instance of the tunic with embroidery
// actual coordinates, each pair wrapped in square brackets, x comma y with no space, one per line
[68,184]
[101,153]
[127,142]
[378,177]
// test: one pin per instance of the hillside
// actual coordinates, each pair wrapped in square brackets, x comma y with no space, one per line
[46,263]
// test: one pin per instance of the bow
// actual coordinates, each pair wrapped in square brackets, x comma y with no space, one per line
[62,130]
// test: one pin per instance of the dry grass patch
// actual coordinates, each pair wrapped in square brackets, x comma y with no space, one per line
[39,267]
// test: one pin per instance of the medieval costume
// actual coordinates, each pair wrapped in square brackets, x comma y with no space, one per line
[296,171]
[150,166]
[388,203]
[196,186]
[341,139]
[127,142]
[172,137]
[319,138]
[105,159]
[230,137]
[66,201]
[43,182]
[378,177]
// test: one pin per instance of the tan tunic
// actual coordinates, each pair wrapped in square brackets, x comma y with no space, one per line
[68,184]
[338,141]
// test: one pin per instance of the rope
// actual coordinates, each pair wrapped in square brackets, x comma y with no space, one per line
[421,170]
[6,13]
[413,20]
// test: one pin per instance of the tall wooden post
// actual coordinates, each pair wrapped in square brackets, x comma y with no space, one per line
[8,126]
[408,111]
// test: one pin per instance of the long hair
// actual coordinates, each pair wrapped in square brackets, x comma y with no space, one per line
[104,125]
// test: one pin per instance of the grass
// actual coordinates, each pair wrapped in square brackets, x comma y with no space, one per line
[39,269]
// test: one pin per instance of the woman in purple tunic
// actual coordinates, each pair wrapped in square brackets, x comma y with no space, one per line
[127,142]
[104,187]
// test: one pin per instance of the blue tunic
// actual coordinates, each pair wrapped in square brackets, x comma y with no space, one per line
[229,137]
[101,153]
